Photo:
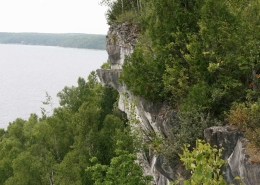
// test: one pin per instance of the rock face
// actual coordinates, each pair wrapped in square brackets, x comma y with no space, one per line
[238,163]
[241,166]
[120,42]
[158,118]
[151,119]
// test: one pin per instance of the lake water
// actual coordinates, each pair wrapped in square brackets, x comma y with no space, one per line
[28,72]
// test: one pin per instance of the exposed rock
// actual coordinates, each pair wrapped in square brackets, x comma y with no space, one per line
[151,119]
[158,118]
[241,166]
[238,163]
[121,40]
[223,137]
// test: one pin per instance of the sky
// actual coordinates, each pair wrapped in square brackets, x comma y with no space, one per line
[53,16]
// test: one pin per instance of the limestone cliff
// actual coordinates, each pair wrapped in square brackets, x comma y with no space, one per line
[152,118]
[159,119]
[238,163]
[120,42]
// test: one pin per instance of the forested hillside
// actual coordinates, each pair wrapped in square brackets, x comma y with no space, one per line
[84,138]
[72,40]
[201,57]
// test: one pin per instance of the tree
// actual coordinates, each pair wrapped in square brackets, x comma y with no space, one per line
[73,97]
[123,169]
[249,60]
[27,170]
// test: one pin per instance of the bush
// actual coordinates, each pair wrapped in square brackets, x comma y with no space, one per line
[192,123]
[106,65]
[246,117]
[142,73]
[204,162]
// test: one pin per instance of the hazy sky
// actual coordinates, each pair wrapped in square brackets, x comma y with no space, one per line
[53,16]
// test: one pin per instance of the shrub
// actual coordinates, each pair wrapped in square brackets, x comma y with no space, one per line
[142,73]
[192,123]
[204,162]
[106,65]
[246,117]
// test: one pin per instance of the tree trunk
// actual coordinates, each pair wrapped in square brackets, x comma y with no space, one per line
[255,79]
[51,177]
[122,1]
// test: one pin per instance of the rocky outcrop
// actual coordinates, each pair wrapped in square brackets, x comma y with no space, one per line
[223,136]
[120,42]
[241,166]
[159,118]
[149,118]
[238,163]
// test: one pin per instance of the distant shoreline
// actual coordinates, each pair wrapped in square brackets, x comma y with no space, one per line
[65,40]
[50,46]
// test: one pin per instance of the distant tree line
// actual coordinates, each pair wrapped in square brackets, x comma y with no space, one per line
[73,40]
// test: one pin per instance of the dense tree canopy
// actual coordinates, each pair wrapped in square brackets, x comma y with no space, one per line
[199,56]
[58,149]
[202,57]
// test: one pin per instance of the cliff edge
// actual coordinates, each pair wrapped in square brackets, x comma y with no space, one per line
[158,119]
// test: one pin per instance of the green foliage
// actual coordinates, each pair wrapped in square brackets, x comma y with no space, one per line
[205,49]
[148,84]
[108,102]
[72,40]
[199,56]
[122,10]
[112,129]
[2,132]
[75,96]
[106,65]
[192,123]
[27,170]
[123,169]
[57,148]
[204,163]
[213,45]
[160,63]
[246,117]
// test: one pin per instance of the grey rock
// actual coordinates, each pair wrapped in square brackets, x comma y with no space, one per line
[242,167]
[223,136]
[238,163]
[120,42]
[159,118]
[151,119]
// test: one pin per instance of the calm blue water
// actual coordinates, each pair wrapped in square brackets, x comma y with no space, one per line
[28,72]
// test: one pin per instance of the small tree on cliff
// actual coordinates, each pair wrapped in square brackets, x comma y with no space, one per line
[204,162]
